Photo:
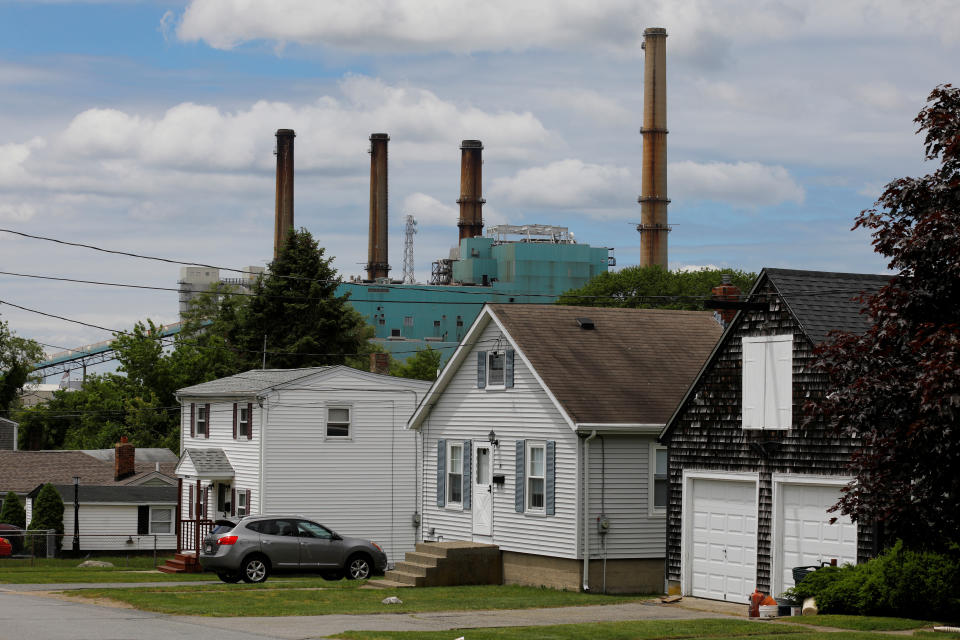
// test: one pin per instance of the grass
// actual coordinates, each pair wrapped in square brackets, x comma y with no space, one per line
[866,623]
[65,570]
[319,597]
[725,629]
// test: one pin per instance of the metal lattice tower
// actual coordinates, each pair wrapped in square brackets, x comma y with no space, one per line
[409,230]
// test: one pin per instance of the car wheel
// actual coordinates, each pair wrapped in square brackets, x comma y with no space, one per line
[359,567]
[229,577]
[332,575]
[255,569]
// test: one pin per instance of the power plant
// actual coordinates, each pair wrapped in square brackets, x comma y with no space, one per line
[653,199]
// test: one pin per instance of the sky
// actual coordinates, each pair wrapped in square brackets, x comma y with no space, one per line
[148,127]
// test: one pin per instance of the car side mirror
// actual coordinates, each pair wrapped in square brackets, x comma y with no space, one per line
[336,536]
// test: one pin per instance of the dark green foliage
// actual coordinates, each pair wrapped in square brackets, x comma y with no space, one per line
[48,512]
[16,356]
[422,365]
[645,287]
[13,511]
[897,388]
[900,582]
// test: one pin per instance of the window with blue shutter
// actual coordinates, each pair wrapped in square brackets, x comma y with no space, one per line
[508,370]
[520,467]
[441,472]
[467,479]
[551,479]
[481,369]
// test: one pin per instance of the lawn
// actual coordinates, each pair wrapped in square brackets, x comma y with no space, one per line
[319,597]
[65,570]
[725,629]
[866,623]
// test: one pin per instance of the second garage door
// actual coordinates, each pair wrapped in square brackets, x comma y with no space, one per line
[723,538]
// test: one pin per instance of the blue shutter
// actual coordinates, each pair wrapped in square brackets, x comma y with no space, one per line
[521,470]
[481,369]
[550,481]
[508,370]
[466,483]
[441,472]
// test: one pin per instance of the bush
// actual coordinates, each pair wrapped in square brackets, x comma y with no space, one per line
[48,512]
[13,512]
[899,582]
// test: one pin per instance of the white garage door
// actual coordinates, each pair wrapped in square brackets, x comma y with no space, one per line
[723,557]
[806,535]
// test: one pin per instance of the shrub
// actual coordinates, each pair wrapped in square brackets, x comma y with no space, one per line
[13,511]
[48,512]
[899,582]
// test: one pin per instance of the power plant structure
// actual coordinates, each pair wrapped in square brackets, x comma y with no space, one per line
[653,200]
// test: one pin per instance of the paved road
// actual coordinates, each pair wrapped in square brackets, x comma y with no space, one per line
[25,615]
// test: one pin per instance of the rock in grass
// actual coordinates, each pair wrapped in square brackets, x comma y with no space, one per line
[392,600]
[87,564]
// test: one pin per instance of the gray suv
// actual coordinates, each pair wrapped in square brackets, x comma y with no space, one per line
[252,548]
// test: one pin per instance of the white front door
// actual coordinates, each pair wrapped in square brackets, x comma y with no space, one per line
[723,537]
[482,491]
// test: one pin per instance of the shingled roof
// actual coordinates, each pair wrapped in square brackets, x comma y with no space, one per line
[823,301]
[116,493]
[632,367]
[248,382]
[22,471]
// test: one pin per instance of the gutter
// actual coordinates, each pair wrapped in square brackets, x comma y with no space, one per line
[586,509]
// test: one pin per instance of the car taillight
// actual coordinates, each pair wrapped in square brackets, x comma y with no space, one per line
[227,540]
[377,546]
[4,541]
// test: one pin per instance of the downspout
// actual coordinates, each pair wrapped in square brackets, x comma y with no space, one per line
[263,401]
[586,509]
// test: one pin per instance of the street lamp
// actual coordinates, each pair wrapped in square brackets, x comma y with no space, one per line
[76,514]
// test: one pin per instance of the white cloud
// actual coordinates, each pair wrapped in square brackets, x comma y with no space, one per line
[20,212]
[741,184]
[13,158]
[429,211]
[881,95]
[599,109]
[567,184]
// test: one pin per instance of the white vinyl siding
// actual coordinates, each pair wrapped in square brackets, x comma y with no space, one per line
[524,412]
[108,527]
[767,382]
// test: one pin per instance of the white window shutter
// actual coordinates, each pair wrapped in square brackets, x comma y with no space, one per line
[752,387]
[780,381]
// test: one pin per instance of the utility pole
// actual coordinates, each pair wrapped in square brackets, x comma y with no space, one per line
[409,230]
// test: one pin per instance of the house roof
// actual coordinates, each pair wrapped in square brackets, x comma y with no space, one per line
[146,455]
[248,382]
[823,301]
[630,369]
[209,461]
[116,493]
[22,471]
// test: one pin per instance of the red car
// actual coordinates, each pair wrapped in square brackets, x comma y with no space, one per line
[6,549]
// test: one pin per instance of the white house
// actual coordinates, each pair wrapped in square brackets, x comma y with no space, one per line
[540,437]
[328,443]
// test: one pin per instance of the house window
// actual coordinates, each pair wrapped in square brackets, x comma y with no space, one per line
[658,479]
[338,422]
[408,321]
[161,520]
[243,421]
[536,476]
[202,419]
[455,474]
[459,321]
[495,368]
[767,382]
[394,333]
[241,503]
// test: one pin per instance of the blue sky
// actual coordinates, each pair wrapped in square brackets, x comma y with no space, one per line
[148,127]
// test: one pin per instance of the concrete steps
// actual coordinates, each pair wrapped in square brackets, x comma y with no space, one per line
[441,564]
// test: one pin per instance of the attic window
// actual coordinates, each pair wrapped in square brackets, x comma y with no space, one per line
[585,323]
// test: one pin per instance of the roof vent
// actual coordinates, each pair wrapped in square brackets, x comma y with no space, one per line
[585,323]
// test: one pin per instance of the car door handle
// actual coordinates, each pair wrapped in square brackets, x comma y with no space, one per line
[266,542]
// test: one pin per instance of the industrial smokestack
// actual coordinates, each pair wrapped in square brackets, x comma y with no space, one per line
[283,223]
[471,189]
[377,266]
[653,199]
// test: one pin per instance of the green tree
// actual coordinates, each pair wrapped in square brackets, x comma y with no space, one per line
[16,356]
[422,365]
[13,511]
[653,286]
[48,512]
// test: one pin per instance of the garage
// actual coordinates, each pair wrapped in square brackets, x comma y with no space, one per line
[803,534]
[722,538]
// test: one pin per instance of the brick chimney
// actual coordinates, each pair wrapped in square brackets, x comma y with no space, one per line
[729,292]
[124,456]
[380,363]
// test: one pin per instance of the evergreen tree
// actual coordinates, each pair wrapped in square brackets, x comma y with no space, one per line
[13,511]
[48,512]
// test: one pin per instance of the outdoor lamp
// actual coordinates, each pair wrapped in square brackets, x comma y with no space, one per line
[492,437]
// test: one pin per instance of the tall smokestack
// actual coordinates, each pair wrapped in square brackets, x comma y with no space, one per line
[377,266]
[653,199]
[283,223]
[471,189]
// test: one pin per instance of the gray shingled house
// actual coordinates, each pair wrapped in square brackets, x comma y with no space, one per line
[539,436]
[748,488]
